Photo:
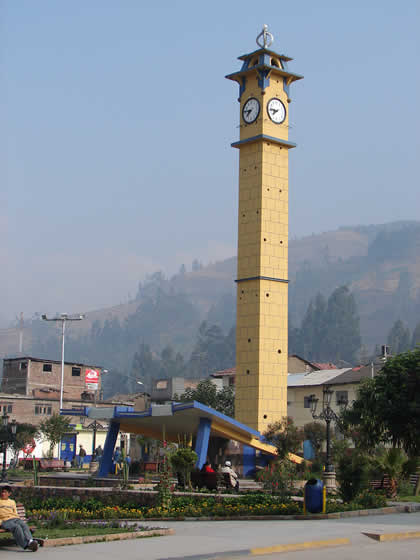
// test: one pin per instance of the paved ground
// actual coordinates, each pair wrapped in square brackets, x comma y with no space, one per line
[234,539]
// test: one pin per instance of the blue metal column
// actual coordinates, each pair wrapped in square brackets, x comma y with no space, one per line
[111,438]
[248,455]
[202,443]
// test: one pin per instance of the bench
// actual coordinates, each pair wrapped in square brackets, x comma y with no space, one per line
[382,484]
[51,464]
[210,480]
[22,514]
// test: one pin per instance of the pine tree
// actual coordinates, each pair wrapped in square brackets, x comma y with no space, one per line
[398,338]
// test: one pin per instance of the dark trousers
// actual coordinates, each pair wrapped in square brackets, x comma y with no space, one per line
[19,530]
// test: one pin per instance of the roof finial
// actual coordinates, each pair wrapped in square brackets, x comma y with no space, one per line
[265,37]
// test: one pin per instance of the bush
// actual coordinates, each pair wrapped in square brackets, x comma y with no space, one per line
[369,499]
[353,471]
[279,478]
[405,488]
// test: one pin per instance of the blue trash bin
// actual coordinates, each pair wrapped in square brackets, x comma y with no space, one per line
[314,495]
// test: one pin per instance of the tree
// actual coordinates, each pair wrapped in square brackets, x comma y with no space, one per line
[25,433]
[316,434]
[416,336]
[387,407]
[342,323]
[183,461]
[285,436]
[206,393]
[398,338]
[53,429]
[390,462]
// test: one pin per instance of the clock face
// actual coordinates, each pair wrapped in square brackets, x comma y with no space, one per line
[276,110]
[251,110]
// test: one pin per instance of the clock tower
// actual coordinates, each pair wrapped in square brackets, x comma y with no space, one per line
[262,276]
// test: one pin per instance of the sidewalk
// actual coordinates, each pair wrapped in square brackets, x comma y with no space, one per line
[213,539]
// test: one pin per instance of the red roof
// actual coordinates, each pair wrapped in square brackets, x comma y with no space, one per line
[323,366]
[224,372]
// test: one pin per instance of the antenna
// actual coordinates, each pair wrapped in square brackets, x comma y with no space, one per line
[21,333]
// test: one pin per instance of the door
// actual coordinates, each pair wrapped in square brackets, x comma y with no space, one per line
[68,447]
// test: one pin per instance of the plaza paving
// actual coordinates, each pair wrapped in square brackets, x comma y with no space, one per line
[235,539]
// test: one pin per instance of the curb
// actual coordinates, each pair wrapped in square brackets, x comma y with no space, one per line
[381,537]
[107,538]
[300,517]
[306,545]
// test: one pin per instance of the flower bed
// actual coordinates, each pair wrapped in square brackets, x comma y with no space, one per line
[189,506]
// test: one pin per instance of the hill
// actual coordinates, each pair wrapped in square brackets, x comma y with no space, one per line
[379,263]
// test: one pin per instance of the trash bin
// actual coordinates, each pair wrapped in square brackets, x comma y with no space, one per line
[314,495]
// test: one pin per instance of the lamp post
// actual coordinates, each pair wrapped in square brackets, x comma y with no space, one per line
[6,440]
[327,414]
[63,318]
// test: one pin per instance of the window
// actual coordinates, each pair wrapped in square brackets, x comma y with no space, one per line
[23,366]
[43,409]
[163,384]
[6,408]
[342,398]
[307,402]
[75,371]
[47,367]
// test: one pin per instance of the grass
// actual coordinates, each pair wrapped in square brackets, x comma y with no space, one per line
[409,499]
[76,530]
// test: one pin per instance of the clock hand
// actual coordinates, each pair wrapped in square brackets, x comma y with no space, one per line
[248,111]
[274,111]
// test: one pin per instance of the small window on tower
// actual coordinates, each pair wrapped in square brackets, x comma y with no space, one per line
[307,402]
[47,368]
[75,371]
[23,365]
[275,62]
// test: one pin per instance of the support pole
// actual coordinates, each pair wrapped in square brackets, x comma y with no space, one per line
[202,443]
[111,439]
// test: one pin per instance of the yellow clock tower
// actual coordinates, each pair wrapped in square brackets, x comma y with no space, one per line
[262,276]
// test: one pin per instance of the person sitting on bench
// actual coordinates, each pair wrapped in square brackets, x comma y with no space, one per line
[233,477]
[206,468]
[10,520]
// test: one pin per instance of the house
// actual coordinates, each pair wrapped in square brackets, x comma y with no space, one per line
[344,382]
[42,378]
[30,393]
[295,364]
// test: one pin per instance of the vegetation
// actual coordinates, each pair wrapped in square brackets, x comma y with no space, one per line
[183,461]
[206,393]
[315,432]
[285,436]
[387,408]
[53,429]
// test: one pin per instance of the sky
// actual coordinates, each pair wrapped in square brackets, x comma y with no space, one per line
[116,123]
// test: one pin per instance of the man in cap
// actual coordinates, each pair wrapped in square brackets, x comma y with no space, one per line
[10,520]
[233,477]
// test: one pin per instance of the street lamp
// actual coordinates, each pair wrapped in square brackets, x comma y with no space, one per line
[6,440]
[328,415]
[63,317]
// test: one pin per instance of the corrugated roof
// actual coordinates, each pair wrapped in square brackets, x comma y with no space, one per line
[314,378]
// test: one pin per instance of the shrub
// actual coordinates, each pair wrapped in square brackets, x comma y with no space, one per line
[353,470]
[279,478]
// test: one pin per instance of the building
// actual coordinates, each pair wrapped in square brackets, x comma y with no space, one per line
[30,393]
[41,378]
[344,382]
[295,364]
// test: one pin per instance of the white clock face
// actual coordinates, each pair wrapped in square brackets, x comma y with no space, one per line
[251,110]
[276,110]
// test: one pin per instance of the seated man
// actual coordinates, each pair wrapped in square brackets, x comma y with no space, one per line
[10,520]
[233,477]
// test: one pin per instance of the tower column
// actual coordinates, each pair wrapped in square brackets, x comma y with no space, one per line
[262,275]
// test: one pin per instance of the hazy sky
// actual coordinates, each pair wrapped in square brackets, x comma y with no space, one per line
[116,123]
